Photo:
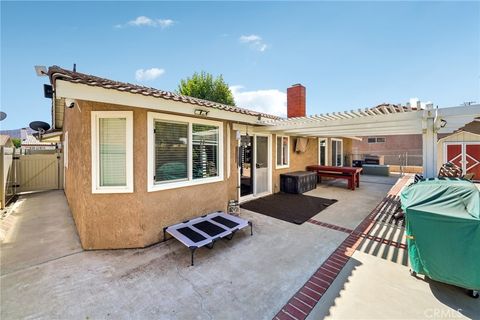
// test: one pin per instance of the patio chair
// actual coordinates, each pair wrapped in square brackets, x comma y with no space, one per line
[450,170]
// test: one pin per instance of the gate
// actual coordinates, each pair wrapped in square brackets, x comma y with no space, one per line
[38,172]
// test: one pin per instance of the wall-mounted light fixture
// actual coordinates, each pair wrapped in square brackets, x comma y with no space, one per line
[443,123]
[201,112]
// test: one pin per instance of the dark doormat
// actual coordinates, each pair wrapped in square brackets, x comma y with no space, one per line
[294,208]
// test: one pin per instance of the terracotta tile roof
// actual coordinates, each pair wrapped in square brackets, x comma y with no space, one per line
[77,77]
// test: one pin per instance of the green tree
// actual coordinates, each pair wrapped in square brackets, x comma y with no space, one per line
[204,86]
[17,142]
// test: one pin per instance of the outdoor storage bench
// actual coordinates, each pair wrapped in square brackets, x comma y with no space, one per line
[298,181]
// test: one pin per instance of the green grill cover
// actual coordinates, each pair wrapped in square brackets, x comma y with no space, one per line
[443,230]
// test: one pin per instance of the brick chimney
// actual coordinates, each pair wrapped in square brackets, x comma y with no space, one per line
[296,101]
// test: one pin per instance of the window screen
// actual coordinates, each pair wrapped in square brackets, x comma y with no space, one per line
[171,151]
[205,151]
[112,151]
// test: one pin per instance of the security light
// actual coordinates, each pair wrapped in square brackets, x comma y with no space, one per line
[201,112]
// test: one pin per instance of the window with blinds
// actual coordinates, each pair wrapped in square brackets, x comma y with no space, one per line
[282,151]
[183,151]
[204,151]
[171,151]
[112,152]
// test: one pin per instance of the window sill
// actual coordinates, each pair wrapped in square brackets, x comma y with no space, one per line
[182,184]
[113,190]
[282,167]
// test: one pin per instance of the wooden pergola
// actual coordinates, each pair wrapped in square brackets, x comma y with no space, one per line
[383,120]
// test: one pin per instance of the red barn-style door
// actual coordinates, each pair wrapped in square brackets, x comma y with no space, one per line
[472,159]
[466,155]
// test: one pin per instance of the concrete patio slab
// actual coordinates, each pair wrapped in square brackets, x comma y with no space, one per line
[352,206]
[246,278]
[372,288]
[42,230]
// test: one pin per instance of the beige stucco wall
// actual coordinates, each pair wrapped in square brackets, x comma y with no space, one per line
[298,161]
[135,219]
[129,220]
[456,137]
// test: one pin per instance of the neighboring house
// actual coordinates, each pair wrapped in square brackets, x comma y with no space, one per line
[6,141]
[462,148]
[17,133]
[138,159]
[30,142]
[403,149]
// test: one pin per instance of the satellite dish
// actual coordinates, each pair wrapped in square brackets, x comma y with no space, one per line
[41,71]
[3,115]
[39,126]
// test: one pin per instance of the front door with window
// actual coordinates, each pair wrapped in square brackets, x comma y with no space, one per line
[254,167]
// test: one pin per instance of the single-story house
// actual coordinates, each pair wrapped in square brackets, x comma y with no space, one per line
[138,159]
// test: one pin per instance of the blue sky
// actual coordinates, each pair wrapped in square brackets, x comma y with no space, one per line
[347,54]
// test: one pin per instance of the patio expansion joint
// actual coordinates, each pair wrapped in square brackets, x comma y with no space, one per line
[194,288]
[321,280]
[40,263]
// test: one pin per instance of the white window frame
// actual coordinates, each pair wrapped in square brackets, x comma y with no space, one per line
[282,166]
[327,160]
[341,152]
[96,116]
[151,185]
[376,140]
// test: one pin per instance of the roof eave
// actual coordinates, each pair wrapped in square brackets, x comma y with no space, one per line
[78,91]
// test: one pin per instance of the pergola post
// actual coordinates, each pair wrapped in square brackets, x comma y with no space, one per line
[429,138]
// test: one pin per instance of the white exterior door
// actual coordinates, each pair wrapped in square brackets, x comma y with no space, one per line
[260,169]
[323,151]
[337,152]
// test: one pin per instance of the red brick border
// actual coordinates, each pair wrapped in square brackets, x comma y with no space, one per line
[305,299]
[330,226]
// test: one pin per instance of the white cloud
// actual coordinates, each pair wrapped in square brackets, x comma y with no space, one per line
[250,38]
[254,41]
[271,101]
[148,74]
[165,23]
[143,21]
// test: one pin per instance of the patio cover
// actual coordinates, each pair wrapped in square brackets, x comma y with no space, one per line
[385,120]
[443,230]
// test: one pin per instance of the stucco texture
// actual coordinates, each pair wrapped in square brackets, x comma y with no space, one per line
[128,220]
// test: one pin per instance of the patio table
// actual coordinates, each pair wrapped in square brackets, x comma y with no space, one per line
[351,174]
